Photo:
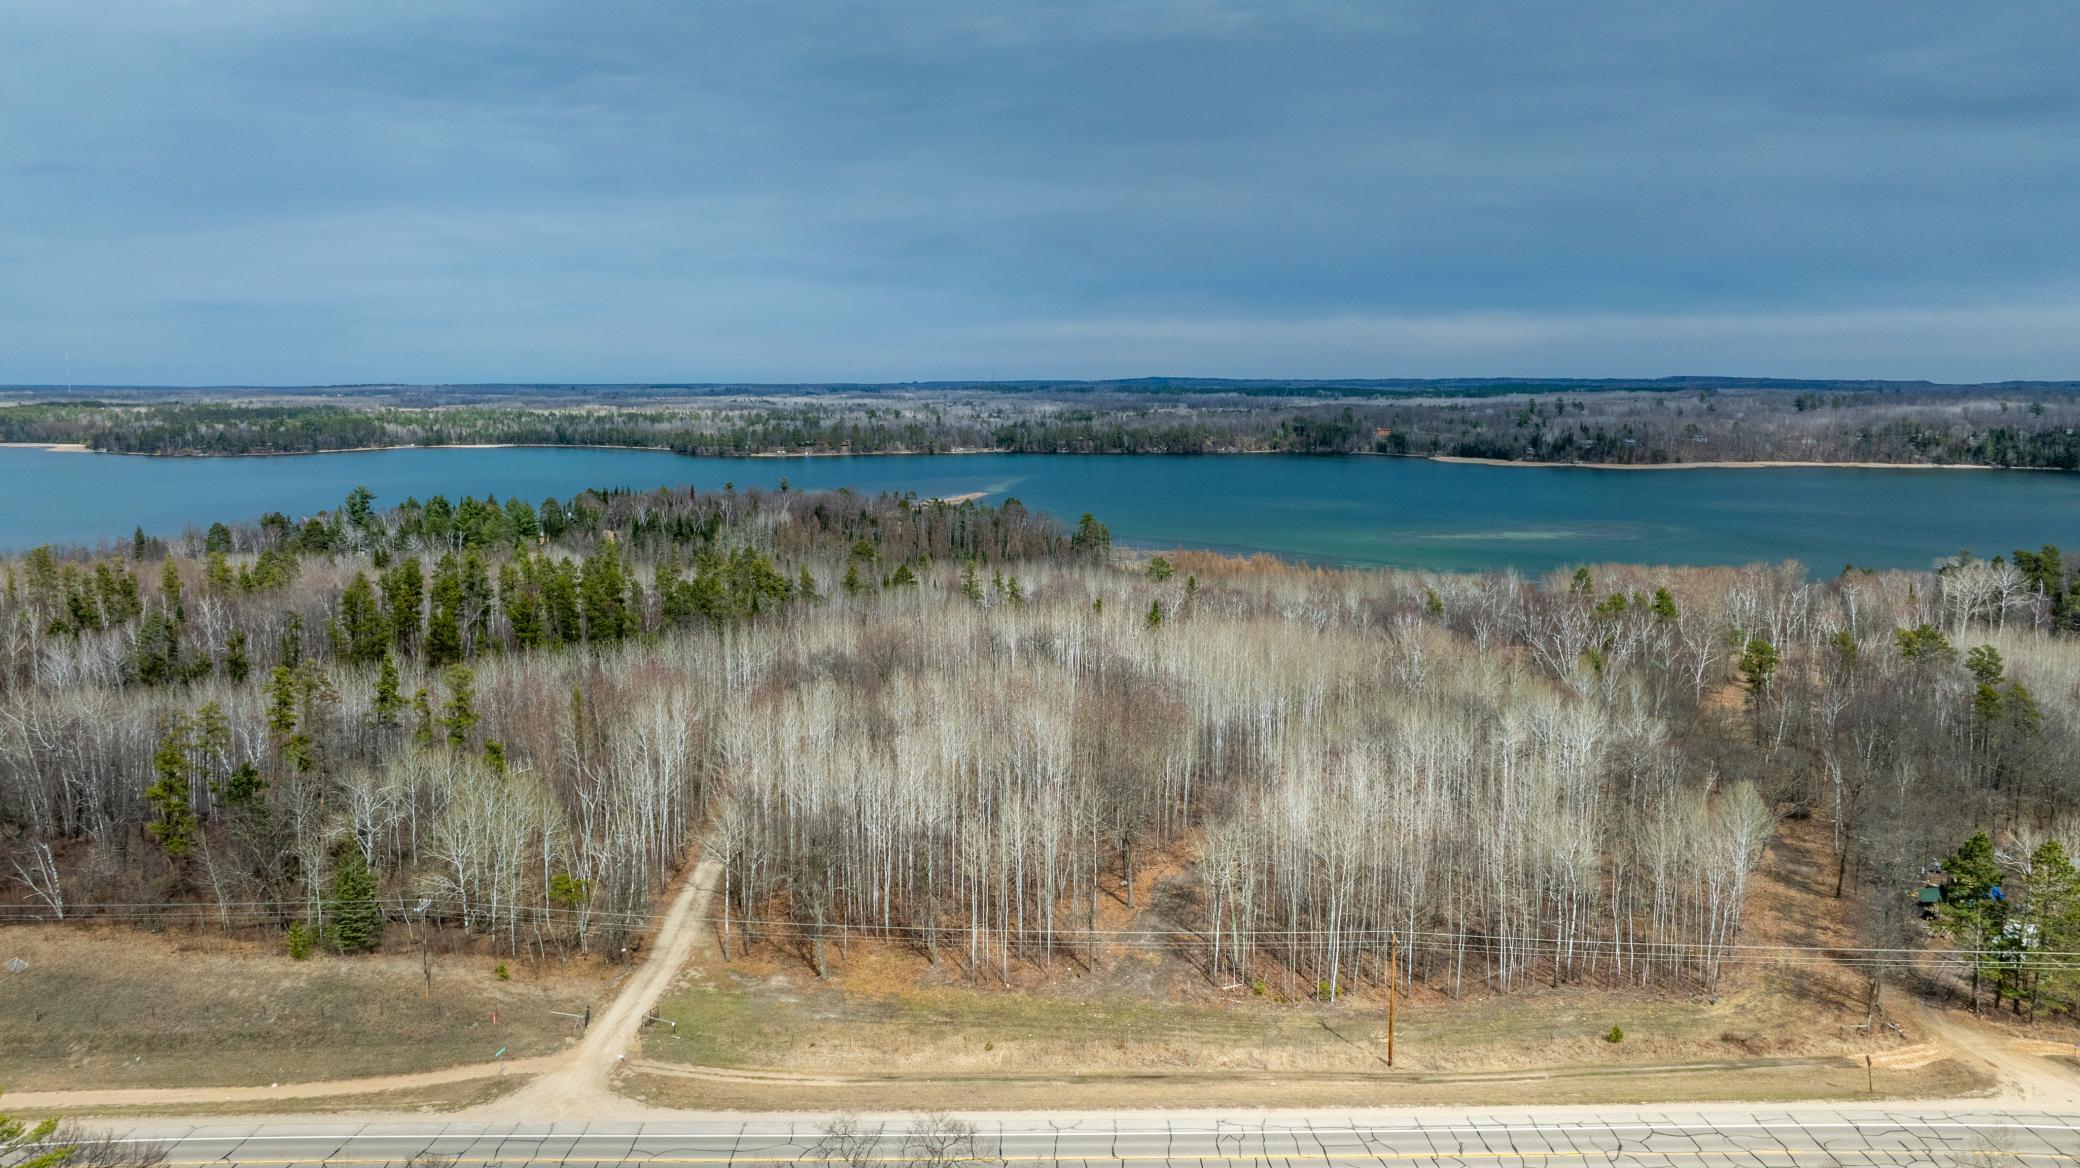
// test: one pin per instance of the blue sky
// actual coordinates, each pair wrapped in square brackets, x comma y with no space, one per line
[291,192]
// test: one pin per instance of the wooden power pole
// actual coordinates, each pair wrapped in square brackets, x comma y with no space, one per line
[1393,959]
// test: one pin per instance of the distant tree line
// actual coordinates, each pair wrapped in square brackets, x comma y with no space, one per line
[1991,426]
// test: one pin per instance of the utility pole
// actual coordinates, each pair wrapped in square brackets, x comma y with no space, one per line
[1393,959]
[425,954]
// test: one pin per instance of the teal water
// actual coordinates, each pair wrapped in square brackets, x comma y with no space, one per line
[1356,510]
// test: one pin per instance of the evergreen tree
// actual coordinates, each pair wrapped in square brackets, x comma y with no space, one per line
[217,575]
[364,633]
[444,621]
[404,589]
[2054,913]
[1974,907]
[459,715]
[1757,666]
[1924,643]
[602,592]
[357,920]
[389,701]
[1091,537]
[170,590]
[174,823]
[360,507]
[422,717]
[1984,663]
[1664,605]
[236,665]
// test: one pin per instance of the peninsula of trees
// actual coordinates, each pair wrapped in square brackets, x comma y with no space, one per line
[1624,423]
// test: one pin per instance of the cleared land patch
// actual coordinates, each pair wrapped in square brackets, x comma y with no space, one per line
[115,1008]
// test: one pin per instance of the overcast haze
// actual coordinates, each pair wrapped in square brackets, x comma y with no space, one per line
[282,193]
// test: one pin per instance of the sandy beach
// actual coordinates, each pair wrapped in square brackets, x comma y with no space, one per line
[1725,465]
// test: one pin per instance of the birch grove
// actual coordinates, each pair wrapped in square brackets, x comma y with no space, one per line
[996,742]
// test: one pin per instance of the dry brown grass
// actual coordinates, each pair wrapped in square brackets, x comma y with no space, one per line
[430,1100]
[122,1008]
[1756,1082]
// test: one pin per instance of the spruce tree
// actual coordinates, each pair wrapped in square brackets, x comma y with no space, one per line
[459,715]
[357,920]
[389,698]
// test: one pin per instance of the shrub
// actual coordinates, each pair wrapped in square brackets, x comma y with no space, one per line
[301,938]
[1617,1035]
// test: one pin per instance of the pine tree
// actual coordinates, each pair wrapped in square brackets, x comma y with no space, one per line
[1091,537]
[27,1145]
[403,597]
[1664,605]
[389,698]
[174,823]
[170,590]
[422,717]
[1757,665]
[357,920]
[602,592]
[364,633]
[1974,908]
[236,665]
[2054,913]
[459,715]
[444,622]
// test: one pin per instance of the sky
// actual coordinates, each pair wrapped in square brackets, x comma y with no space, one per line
[288,192]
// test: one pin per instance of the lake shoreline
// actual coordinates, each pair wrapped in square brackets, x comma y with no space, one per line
[1454,459]
[1723,464]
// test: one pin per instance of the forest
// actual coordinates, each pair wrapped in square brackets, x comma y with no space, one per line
[2034,426]
[960,730]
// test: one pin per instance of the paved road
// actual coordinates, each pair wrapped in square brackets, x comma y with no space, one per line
[1674,1138]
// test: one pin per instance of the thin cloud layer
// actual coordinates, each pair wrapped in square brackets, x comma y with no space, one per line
[290,193]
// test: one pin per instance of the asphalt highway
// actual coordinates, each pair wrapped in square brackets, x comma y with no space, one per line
[1676,1138]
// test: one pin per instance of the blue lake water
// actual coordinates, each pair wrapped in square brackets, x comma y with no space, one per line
[1356,510]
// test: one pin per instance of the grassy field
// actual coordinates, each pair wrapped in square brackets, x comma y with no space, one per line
[1767,1083]
[430,1100]
[752,1039]
[106,1008]
[781,1021]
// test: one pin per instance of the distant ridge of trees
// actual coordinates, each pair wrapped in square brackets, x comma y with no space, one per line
[1632,423]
